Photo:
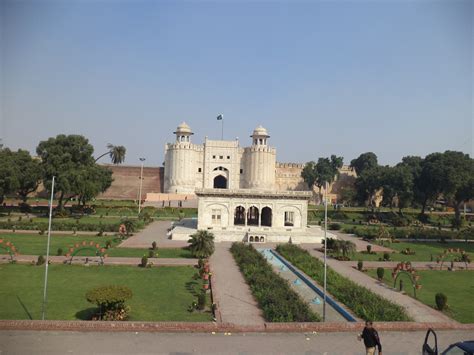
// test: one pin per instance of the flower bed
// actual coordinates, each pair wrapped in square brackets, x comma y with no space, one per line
[274,295]
[364,303]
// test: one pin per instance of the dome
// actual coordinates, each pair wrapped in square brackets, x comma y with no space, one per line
[260,132]
[183,128]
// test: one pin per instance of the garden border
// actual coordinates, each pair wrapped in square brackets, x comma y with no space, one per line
[205,327]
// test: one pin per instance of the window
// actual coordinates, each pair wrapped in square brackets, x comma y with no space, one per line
[199,170]
[221,157]
[241,171]
[216,217]
[213,157]
[228,157]
[289,218]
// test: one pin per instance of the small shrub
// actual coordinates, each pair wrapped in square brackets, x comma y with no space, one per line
[151,254]
[201,303]
[334,226]
[153,246]
[360,265]
[369,249]
[386,256]
[41,231]
[144,261]
[111,302]
[41,260]
[380,273]
[59,252]
[441,301]
[108,244]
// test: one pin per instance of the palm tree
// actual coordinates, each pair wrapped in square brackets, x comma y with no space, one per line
[347,247]
[116,153]
[202,244]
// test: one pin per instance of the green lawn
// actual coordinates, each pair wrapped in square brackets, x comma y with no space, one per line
[423,251]
[458,286]
[35,244]
[159,294]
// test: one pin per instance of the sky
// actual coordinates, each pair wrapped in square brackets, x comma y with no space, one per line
[324,77]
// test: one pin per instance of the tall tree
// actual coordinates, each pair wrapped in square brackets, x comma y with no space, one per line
[364,162]
[28,173]
[8,174]
[116,153]
[327,170]
[309,174]
[397,182]
[91,181]
[64,157]
[368,183]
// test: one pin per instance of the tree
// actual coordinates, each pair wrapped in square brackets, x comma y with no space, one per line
[8,174]
[66,158]
[309,174]
[326,171]
[116,153]
[397,182]
[347,195]
[368,183]
[91,181]
[202,244]
[365,161]
[28,173]
[428,184]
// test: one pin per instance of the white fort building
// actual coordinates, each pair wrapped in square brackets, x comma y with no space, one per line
[236,189]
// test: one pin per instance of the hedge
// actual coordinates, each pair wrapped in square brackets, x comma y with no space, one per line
[409,233]
[278,301]
[363,302]
[66,226]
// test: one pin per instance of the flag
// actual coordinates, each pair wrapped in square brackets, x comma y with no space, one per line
[220,117]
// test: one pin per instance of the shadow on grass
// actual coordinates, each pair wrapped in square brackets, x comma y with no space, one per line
[30,317]
[193,288]
[86,314]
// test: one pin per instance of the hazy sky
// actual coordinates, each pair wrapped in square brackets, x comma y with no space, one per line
[324,77]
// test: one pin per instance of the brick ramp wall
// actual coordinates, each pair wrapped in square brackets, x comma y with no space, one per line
[127,180]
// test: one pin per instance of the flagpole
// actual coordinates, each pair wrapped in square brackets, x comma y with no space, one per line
[222,128]
[47,250]
[325,247]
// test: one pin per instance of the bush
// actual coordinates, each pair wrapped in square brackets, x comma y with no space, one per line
[386,256]
[360,265]
[108,244]
[369,249]
[441,301]
[153,246]
[201,303]
[144,261]
[59,252]
[278,301]
[380,273]
[41,260]
[334,226]
[151,253]
[111,302]
[363,302]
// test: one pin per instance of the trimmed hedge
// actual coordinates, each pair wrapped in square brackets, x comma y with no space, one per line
[274,295]
[363,302]
[68,225]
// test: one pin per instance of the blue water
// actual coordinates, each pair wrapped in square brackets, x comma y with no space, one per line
[275,259]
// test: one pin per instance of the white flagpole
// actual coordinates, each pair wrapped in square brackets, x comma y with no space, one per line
[325,246]
[47,250]
[222,128]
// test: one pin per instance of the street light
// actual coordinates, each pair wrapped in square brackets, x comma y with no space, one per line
[43,308]
[325,246]
[140,189]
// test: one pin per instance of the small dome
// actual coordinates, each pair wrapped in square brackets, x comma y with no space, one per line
[183,128]
[260,132]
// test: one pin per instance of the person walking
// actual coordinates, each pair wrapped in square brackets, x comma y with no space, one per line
[371,339]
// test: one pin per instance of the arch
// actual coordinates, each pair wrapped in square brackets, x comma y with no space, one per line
[266,217]
[220,182]
[220,168]
[239,216]
[9,248]
[78,247]
[262,239]
[251,239]
[253,216]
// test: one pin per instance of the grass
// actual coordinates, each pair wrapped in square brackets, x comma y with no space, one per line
[423,251]
[458,286]
[35,244]
[159,294]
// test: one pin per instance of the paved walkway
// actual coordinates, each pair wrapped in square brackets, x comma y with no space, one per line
[361,245]
[231,293]
[416,310]
[154,232]
[108,261]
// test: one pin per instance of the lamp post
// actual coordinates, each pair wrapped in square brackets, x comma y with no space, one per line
[140,189]
[325,247]
[43,311]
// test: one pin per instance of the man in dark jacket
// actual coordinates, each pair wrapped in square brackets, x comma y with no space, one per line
[371,339]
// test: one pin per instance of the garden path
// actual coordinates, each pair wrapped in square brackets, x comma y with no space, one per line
[416,310]
[418,265]
[231,293]
[154,232]
[361,245]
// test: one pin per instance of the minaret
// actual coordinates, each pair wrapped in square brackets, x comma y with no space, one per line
[180,162]
[260,161]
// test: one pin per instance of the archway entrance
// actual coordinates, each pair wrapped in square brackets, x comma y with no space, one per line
[252,216]
[220,182]
[267,217]
[239,216]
